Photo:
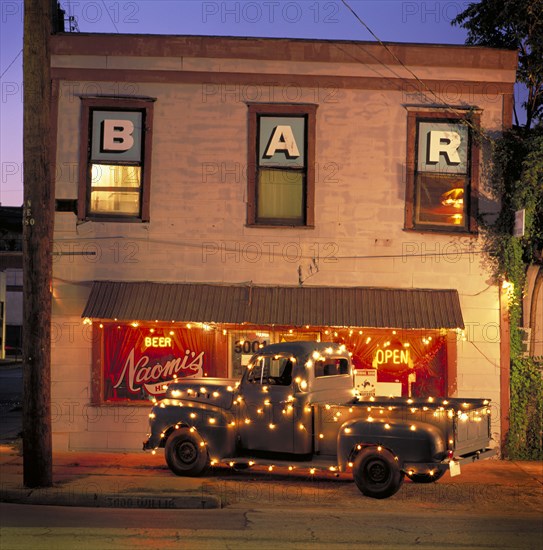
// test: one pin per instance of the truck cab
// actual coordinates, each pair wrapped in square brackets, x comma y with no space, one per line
[280,389]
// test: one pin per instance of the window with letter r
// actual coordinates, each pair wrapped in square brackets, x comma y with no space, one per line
[115,159]
[443,171]
[281,160]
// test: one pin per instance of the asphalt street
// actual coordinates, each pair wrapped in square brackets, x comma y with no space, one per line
[43,527]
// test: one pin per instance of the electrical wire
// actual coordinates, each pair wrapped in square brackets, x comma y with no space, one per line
[465,121]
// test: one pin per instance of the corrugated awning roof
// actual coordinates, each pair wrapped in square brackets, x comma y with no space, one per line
[267,305]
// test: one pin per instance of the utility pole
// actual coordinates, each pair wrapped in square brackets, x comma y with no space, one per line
[37,239]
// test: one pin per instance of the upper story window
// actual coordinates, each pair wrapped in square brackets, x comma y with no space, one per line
[443,171]
[281,178]
[115,160]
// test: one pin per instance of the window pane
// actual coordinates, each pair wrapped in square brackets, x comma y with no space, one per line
[441,200]
[280,194]
[115,202]
[331,367]
[115,189]
[108,175]
[269,370]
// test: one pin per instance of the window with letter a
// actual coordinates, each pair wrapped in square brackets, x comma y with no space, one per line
[281,149]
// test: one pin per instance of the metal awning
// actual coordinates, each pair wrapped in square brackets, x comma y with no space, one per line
[273,305]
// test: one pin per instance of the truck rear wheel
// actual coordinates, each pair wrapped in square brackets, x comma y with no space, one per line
[376,473]
[186,453]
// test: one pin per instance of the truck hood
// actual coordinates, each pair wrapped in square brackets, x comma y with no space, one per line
[215,391]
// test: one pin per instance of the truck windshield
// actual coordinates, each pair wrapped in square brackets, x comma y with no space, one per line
[271,370]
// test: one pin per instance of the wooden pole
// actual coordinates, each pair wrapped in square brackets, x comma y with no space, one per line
[37,239]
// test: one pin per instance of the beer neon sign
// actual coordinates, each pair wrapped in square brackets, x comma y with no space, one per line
[158,342]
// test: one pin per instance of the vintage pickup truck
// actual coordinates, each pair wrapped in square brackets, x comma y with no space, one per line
[296,405]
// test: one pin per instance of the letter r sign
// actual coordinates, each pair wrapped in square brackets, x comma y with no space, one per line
[442,147]
[116,136]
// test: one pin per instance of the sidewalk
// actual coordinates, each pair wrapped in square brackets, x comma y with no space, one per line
[142,480]
[109,480]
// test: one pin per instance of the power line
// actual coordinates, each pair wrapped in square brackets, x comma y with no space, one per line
[12,62]
[428,89]
[111,18]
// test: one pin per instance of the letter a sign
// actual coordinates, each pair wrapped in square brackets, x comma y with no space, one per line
[281,141]
[116,135]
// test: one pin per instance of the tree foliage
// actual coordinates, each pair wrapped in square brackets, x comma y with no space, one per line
[517,25]
[516,182]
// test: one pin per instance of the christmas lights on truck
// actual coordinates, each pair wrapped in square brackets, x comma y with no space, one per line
[296,406]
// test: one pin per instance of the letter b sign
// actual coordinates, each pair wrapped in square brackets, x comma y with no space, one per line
[116,136]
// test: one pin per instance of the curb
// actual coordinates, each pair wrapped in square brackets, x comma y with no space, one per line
[62,497]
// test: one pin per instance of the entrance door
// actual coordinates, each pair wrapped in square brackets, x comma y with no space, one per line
[267,420]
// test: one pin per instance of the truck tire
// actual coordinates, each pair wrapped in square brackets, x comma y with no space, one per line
[425,478]
[185,454]
[376,473]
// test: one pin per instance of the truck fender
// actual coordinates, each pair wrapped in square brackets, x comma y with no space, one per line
[214,425]
[412,441]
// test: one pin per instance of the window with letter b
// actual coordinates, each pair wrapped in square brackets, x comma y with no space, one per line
[115,159]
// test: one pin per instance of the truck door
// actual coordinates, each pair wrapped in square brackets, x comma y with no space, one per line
[267,416]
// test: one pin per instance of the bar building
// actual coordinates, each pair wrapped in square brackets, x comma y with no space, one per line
[213,195]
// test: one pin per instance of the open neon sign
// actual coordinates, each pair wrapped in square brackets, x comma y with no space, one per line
[392,356]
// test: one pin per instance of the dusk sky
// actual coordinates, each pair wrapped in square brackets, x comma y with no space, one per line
[390,20]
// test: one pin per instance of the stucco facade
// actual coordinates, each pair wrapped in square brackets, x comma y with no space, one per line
[197,230]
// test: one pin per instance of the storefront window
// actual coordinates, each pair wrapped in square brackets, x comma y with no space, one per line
[134,362]
[138,361]
[243,346]
[398,363]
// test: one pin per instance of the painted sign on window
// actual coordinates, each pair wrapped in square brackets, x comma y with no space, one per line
[116,136]
[282,141]
[443,147]
[243,346]
[139,362]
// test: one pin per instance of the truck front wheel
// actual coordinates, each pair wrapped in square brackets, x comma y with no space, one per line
[376,473]
[186,453]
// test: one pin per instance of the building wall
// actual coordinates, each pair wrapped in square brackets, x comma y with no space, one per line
[197,231]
